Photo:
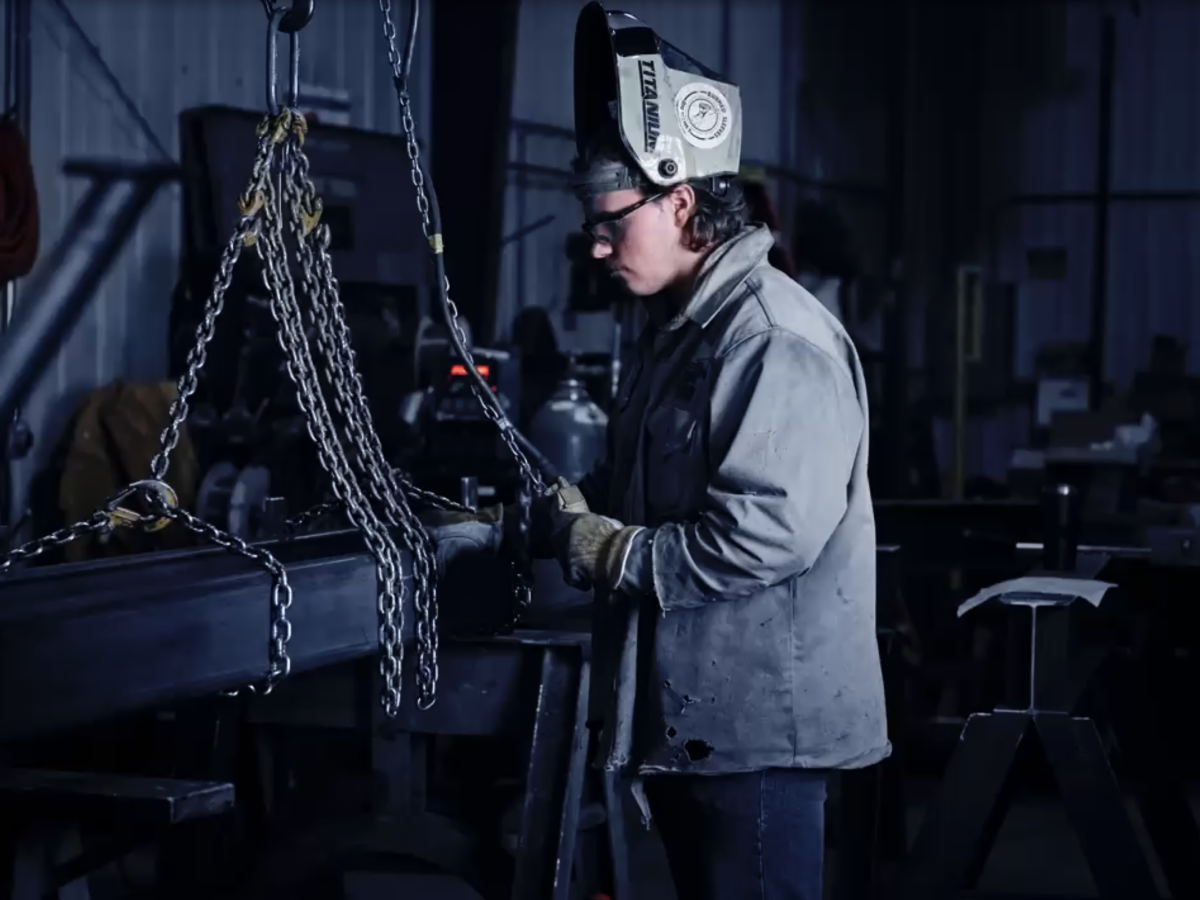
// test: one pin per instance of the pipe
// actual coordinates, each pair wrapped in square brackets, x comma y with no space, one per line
[522,187]
[1068,198]
[727,39]
[1120,552]
[959,470]
[67,280]
[527,230]
[1098,332]
[896,317]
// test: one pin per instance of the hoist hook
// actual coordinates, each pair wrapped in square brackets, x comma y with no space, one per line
[276,17]
[295,16]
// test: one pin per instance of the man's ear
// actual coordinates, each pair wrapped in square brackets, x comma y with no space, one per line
[683,204]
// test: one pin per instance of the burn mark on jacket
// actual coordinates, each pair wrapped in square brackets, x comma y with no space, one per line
[694,749]
[697,750]
[683,700]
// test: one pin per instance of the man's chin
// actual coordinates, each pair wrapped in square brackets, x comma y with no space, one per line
[628,287]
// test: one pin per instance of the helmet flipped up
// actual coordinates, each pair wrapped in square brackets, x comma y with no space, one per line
[679,120]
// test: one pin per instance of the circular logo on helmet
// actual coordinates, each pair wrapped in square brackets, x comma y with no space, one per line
[704,114]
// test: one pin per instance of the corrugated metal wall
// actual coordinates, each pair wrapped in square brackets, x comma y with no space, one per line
[1154,271]
[756,50]
[168,55]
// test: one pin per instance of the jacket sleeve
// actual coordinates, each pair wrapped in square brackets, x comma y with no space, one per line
[784,428]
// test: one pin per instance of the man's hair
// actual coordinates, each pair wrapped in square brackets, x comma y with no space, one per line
[717,216]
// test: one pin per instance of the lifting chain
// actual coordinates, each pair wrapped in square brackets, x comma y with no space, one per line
[280,187]
[327,316]
[530,480]
[155,492]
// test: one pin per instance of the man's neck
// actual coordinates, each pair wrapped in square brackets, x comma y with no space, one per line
[664,306]
[680,291]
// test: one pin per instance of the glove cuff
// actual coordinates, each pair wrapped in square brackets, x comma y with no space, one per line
[615,555]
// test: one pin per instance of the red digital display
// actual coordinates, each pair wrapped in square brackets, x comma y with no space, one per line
[460,371]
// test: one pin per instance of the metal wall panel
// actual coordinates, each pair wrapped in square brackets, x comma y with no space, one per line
[168,55]
[1055,151]
[755,50]
[1153,272]
[1154,275]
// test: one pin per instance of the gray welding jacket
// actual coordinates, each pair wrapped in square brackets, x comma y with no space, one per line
[739,440]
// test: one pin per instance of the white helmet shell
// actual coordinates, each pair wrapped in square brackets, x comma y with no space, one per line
[678,119]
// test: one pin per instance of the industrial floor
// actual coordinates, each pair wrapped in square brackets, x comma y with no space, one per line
[1036,858]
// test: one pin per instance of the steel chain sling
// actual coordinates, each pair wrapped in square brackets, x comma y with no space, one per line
[155,492]
[327,315]
[530,480]
[303,372]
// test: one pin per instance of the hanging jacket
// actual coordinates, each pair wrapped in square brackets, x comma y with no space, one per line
[19,230]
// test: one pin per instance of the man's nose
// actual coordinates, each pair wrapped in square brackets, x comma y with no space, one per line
[601,249]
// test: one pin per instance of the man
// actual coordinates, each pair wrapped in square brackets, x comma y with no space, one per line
[729,536]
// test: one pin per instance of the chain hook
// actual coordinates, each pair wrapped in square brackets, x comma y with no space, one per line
[295,16]
[278,20]
[155,493]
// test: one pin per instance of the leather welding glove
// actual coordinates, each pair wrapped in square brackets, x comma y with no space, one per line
[593,550]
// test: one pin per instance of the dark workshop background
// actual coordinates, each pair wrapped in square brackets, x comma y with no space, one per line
[992,100]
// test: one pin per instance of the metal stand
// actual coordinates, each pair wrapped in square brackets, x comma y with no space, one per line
[962,822]
[531,687]
[45,813]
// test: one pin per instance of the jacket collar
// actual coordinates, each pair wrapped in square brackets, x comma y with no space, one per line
[723,272]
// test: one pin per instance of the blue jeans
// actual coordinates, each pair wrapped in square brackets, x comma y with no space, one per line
[753,836]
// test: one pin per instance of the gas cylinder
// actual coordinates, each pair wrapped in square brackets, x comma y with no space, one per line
[570,430]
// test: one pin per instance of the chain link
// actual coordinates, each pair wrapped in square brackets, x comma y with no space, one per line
[327,315]
[314,514]
[110,516]
[530,479]
[97,524]
[301,369]
[264,208]
[490,408]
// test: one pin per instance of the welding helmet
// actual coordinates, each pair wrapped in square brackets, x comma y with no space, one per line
[679,120]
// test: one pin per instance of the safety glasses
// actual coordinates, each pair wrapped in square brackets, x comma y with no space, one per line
[606,228]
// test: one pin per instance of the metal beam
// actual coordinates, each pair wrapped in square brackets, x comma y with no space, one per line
[84,642]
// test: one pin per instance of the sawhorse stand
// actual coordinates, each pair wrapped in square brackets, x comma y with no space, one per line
[961,824]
